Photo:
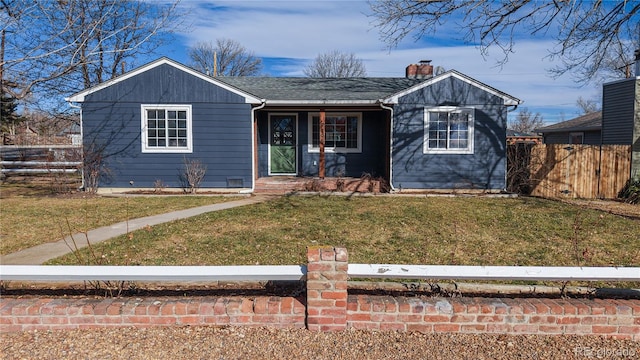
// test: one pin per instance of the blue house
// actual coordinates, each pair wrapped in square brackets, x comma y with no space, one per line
[418,132]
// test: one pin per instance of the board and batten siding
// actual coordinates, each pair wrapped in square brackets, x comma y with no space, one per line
[221,127]
[484,169]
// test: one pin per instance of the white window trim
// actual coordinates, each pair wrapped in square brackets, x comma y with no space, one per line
[327,149]
[166,150]
[470,140]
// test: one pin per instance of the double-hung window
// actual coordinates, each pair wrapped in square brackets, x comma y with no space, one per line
[342,132]
[448,130]
[166,128]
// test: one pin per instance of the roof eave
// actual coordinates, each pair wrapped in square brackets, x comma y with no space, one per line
[568,130]
[508,100]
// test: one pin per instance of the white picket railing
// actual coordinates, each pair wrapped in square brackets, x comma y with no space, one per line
[298,272]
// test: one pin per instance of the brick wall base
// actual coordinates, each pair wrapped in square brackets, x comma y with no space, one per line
[61,313]
[612,318]
[327,306]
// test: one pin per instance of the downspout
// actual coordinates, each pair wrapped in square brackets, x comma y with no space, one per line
[383,106]
[506,180]
[81,143]
[253,146]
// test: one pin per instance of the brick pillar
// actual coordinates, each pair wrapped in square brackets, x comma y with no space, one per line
[326,288]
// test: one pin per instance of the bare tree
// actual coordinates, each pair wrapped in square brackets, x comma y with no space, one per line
[59,47]
[336,64]
[224,58]
[526,121]
[49,125]
[587,106]
[589,34]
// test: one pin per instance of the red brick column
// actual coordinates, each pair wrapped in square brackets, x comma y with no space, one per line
[326,288]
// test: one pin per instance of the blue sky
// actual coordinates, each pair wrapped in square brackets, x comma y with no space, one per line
[288,35]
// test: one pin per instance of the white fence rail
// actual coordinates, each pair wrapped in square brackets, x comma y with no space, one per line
[40,167]
[151,273]
[298,272]
[449,272]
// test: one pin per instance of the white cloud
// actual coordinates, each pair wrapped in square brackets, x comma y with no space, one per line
[299,30]
[286,28]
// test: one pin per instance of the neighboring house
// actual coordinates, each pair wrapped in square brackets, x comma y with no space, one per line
[585,129]
[617,124]
[517,137]
[418,132]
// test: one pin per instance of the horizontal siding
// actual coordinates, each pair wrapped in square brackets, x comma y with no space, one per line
[618,113]
[635,164]
[221,142]
[590,138]
[485,169]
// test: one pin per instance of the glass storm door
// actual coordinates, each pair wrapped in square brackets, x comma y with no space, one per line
[282,149]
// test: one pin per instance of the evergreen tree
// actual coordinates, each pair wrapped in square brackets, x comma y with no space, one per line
[9,117]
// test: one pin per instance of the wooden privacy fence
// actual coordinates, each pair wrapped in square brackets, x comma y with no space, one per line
[576,171]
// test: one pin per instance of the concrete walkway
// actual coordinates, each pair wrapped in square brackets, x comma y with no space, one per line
[39,254]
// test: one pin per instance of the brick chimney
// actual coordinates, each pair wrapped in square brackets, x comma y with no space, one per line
[423,70]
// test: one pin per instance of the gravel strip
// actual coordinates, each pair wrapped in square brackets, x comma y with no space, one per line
[260,343]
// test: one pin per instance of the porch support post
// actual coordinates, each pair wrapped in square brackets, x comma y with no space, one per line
[321,163]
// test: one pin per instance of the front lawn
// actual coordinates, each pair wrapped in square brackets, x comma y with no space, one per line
[463,231]
[30,220]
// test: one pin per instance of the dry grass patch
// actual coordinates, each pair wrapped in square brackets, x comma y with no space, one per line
[464,231]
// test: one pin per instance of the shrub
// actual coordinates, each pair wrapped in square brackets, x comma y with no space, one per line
[631,192]
[192,175]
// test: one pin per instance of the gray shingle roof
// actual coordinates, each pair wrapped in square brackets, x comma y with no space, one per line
[519,134]
[591,121]
[320,89]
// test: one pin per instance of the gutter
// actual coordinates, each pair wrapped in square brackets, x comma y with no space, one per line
[383,106]
[253,146]
[321,102]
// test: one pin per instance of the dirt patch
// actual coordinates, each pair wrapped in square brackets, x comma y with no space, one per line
[620,208]
[213,342]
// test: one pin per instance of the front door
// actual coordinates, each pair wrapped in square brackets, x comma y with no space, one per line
[282,144]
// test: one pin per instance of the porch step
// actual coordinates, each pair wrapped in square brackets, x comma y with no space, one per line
[280,185]
[285,185]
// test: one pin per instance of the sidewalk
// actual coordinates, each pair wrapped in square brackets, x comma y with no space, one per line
[37,255]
